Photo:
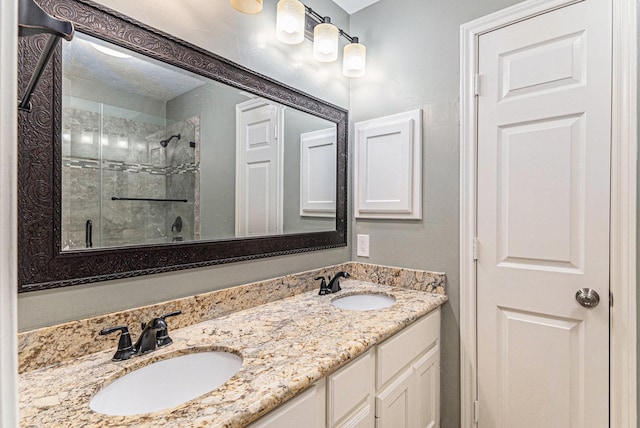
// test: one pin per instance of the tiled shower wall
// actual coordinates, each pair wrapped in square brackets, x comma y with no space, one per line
[109,152]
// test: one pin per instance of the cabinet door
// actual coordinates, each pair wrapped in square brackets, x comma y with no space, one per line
[350,393]
[408,377]
[427,389]
[394,403]
[396,354]
[305,410]
[364,418]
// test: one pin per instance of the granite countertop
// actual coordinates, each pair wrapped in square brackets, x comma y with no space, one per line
[286,346]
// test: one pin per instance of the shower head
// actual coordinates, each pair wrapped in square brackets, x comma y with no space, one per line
[165,143]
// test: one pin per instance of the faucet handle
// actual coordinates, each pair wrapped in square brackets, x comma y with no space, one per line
[125,348]
[324,289]
[170,314]
[162,335]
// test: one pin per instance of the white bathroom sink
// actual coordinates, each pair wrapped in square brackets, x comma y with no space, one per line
[364,302]
[166,383]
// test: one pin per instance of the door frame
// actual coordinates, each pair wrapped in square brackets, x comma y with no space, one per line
[8,215]
[622,376]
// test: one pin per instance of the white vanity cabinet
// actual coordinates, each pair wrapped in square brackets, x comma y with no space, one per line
[395,384]
[351,394]
[309,407]
[408,377]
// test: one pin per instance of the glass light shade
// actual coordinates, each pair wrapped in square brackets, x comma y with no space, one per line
[325,42]
[247,6]
[354,60]
[290,22]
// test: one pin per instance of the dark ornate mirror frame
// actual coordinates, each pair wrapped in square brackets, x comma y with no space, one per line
[42,264]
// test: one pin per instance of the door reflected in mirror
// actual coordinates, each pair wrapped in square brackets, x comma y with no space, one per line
[152,153]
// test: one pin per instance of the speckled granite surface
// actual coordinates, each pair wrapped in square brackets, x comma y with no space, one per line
[287,345]
[52,345]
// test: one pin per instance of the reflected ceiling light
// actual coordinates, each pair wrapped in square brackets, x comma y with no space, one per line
[325,41]
[290,21]
[247,6]
[354,59]
[109,51]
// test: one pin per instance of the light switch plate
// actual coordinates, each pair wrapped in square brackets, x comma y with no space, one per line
[362,249]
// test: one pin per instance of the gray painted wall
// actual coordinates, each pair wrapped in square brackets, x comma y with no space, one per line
[413,62]
[215,104]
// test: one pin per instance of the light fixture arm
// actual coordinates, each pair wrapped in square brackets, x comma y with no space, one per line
[319,19]
[348,37]
[312,13]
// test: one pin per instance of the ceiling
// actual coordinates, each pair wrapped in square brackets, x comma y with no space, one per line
[135,74]
[352,6]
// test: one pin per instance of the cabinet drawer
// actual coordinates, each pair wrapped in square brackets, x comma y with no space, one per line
[350,387]
[400,350]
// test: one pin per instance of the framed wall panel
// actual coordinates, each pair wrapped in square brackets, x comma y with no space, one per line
[388,167]
[317,173]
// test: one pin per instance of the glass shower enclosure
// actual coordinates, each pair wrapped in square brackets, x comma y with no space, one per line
[129,176]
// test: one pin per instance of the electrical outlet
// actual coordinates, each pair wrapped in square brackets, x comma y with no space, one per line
[362,250]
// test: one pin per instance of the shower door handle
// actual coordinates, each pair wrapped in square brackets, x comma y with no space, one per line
[88,231]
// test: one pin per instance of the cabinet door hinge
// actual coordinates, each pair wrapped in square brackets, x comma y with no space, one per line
[476,411]
[475,248]
[476,85]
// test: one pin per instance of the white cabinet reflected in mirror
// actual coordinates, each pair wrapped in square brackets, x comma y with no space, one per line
[152,153]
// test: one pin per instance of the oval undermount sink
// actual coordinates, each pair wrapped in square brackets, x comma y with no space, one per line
[364,302]
[166,383]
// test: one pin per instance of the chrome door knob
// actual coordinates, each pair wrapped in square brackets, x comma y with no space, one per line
[587,297]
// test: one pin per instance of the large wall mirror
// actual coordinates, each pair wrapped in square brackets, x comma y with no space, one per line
[143,154]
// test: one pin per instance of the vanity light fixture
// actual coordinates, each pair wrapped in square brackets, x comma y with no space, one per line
[294,20]
[325,41]
[325,44]
[247,6]
[290,22]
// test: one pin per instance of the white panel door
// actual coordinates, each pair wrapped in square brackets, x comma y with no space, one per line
[543,219]
[259,173]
